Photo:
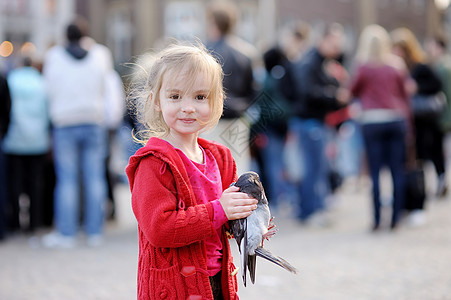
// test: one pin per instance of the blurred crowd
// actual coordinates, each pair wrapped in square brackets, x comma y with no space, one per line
[304,113]
[60,120]
[313,114]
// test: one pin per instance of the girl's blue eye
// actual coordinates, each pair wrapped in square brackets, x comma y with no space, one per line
[201,97]
[174,97]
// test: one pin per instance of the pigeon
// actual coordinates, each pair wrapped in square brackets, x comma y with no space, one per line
[250,232]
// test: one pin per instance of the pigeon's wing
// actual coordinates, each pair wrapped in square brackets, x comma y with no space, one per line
[256,224]
[238,229]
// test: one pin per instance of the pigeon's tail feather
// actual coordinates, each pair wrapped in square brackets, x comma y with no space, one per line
[262,252]
[243,259]
[252,265]
[243,253]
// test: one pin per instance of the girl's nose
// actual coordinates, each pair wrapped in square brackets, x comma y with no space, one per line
[188,107]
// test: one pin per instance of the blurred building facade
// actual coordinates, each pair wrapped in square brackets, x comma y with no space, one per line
[30,26]
[130,27]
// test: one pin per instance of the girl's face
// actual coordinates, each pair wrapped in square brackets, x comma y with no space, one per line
[185,107]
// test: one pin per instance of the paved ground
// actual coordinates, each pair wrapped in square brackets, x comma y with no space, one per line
[343,261]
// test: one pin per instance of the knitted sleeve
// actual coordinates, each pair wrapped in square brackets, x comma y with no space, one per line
[160,210]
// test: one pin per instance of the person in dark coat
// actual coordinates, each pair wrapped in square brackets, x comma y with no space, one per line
[277,95]
[318,94]
[236,57]
[428,134]
[5,108]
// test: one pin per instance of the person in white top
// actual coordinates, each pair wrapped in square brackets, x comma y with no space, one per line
[76,80]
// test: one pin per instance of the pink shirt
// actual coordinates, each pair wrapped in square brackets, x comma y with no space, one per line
[206,182]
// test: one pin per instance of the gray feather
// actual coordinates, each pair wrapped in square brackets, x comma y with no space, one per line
[266,254]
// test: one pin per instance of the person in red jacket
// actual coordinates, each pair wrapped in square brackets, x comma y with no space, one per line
[180,183]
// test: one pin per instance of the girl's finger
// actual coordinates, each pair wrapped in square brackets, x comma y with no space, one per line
[243,215]
[232,189]
[241,195]
[245,202]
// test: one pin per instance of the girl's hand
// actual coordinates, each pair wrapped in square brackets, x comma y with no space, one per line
[237,205]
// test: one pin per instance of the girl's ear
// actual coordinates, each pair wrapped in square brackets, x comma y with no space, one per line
[156,105]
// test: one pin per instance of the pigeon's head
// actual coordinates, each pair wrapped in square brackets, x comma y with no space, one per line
[249,182]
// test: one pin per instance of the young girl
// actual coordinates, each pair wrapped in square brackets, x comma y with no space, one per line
[180,183]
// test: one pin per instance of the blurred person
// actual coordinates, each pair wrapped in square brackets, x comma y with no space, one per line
[428,134]
[296,40]
[236,57]
[182,215]
[132,126]
[275,110]
[114,111]
[437,49]
[5,109]
[335,68]
[27,144]
[334,121]
[380,88]
[75,79]
[318,93]
[49,173]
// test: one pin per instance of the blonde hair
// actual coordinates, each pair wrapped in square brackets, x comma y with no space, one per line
[408,43]
[150,69]
[374,45]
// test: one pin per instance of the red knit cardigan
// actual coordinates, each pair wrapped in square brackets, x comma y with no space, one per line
[172,227]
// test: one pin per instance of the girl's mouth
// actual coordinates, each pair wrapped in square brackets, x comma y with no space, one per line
[188,120]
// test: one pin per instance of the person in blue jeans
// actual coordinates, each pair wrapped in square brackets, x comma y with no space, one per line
[385,146]
[314,186]
[379,84]
[76,79]
[80,146]
[318,93]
